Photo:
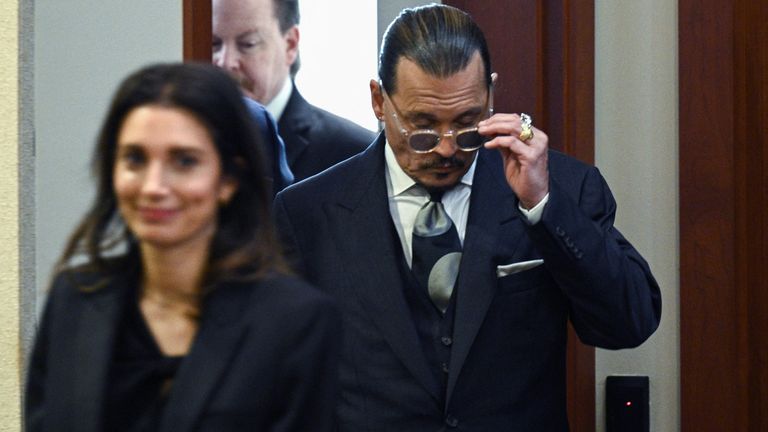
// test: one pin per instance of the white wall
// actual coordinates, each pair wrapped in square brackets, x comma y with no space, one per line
[83,49]
[636,149]
[338,57]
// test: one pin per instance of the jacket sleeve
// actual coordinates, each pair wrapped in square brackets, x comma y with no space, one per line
[614,300]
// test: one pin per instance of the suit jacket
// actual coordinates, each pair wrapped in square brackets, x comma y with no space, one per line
[264,358]
[507,364]
[276,162]
[316,139]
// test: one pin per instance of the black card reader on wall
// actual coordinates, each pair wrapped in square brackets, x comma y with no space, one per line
[627,408]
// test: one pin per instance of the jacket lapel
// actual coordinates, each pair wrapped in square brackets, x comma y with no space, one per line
[365,233]
[493,217]
[294,126]
[214,347]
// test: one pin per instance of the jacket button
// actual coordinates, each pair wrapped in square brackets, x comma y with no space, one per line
[451,421]
[446,340]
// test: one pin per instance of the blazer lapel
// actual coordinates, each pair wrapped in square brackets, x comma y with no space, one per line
[366,235]
[215,344]
[492,212]
[91,354]
[294,125]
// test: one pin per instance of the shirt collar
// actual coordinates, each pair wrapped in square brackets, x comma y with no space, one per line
[402,182]
[278,103]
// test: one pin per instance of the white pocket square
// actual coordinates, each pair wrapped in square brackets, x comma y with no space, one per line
[508,269]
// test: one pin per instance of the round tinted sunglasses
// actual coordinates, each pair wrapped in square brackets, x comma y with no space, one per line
[426,140]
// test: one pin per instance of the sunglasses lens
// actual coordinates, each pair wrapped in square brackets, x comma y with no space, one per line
[423,142]
[470,140]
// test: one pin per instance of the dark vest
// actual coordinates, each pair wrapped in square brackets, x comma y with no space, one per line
[435,330]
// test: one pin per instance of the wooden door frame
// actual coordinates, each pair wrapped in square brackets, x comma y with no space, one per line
[197,30]
[723,58]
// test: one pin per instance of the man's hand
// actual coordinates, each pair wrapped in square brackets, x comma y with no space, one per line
[525,162]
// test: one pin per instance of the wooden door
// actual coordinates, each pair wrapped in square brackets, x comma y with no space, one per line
[723,73]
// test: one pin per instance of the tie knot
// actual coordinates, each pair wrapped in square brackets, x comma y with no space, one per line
[436,195]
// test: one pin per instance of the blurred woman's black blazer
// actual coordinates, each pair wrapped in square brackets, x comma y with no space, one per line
[264,358]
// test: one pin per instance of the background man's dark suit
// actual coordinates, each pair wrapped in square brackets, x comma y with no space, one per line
[507,364]
[264,352]
[316,139]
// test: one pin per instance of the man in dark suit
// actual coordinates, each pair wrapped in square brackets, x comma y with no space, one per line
[257,41]
[478,343]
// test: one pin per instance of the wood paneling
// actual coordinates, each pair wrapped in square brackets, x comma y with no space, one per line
[197,30]
[723,61]
[543,52]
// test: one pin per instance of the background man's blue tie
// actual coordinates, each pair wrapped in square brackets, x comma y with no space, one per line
[436,251]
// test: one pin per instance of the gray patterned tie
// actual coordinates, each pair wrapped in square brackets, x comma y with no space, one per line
[436,251]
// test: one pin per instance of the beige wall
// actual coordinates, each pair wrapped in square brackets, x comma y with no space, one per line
[9,221]
[636,149]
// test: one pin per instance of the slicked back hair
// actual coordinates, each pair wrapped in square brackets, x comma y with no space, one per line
[440,39]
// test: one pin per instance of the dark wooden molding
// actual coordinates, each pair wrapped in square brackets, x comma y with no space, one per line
[197,30]
[544,54]
[723,58]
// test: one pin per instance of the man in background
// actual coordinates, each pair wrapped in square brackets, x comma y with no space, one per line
[258,42]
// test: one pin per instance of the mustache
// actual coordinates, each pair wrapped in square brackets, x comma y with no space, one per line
[441,162]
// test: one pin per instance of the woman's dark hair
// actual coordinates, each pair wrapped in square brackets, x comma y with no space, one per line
[440,39]
[245,245]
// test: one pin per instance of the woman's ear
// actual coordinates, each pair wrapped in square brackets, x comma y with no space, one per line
[227,190]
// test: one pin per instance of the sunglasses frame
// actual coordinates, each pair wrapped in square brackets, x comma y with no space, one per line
[408,134]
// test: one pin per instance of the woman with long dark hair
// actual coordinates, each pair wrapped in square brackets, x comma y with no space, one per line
[172,308]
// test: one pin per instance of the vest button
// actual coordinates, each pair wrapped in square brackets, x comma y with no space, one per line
[444,367]
[451,421]
[446,340]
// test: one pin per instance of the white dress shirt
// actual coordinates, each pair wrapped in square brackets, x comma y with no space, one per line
[406,199]
[278,103]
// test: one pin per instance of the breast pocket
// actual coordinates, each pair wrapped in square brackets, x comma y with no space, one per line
[520,281]
[518,296]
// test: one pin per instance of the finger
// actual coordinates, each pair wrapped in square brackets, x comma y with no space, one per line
[501,124]
[513,144]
